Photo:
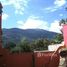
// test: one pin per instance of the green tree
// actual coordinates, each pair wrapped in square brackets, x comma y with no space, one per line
[58,39]
[40,44]
[46,43]
[16,49]
[10,45]
[24,45]
[63,21]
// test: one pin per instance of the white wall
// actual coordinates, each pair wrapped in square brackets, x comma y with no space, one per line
[53,47]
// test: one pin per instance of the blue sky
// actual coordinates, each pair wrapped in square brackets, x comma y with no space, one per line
[33,14]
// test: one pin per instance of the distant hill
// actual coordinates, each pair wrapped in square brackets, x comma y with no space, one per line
[16,34]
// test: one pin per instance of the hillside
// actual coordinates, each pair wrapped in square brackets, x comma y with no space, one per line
[16,34]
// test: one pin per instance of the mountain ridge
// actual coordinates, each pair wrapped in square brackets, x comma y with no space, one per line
[16,34]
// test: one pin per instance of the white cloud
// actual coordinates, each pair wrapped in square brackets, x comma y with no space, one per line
[32,23]
[55,26]
[4,16]
[19,5]
[60,2]
[57,5]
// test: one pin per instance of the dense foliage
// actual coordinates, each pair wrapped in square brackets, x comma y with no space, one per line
[36,45]
[27,46]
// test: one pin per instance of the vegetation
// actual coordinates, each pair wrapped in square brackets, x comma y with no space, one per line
[63,21]
[37,44]
[10,45]
[58,39]
[27,46]
[40,44]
